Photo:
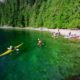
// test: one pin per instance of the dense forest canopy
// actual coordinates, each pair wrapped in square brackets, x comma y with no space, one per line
[40,13]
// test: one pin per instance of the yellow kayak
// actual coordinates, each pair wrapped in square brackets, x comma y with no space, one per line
[9,51]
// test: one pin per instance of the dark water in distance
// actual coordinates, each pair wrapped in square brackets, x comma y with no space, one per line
[33,62]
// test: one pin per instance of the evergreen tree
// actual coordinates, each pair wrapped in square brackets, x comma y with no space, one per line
[38,13]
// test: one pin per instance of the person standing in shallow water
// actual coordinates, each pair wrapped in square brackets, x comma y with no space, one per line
[39,42]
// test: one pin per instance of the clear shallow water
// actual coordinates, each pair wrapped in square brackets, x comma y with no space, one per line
[53,61]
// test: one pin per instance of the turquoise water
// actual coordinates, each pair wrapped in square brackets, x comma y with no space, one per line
[52,61]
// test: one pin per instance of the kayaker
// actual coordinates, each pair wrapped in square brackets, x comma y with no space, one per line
[10,48]
[17,50]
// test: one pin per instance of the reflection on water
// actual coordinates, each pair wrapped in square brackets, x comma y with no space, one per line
[33,62]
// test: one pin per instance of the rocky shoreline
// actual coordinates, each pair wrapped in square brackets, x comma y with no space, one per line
[63,32]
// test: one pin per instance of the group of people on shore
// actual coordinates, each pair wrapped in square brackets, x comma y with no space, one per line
[69,35]
[56,34]
[72,36]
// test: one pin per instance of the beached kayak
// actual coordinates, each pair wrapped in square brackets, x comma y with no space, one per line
[9,51]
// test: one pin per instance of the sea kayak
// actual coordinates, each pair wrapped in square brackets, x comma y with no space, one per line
[9,51]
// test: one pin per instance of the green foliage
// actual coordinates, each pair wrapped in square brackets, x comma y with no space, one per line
[41,13]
